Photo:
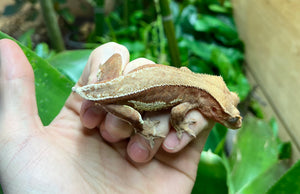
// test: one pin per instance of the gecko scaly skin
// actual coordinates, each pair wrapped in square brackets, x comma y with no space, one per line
[157,87]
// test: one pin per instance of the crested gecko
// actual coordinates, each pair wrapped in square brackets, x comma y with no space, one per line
[157,87]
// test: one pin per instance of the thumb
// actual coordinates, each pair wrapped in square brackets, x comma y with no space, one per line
[17,87]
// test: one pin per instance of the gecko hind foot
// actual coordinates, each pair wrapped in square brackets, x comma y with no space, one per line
[150,131]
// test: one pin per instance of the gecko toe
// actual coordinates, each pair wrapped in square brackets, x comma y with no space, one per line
[150,131]
[185,127]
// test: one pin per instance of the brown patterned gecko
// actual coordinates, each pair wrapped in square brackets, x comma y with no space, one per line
[157,87]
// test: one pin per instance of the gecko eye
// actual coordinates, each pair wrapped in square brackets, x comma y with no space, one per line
[233,119]
[214,109]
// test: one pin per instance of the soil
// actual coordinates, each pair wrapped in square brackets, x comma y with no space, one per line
[30,17]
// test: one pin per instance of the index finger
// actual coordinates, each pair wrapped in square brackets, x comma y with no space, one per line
[98,57]
[89,75]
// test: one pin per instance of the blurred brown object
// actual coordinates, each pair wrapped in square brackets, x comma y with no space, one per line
[271,33]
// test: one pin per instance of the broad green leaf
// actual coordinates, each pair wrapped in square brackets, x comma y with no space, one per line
[71,63]
[234,55]
[52,88]
[240,85]
[67,15]
[25,38]
[216,139]
[264,181]
[274,126]
[199,66]
[222,62]
[188,17]
[43,51]
[136,48]
[60,1]
[211,175]
[289,182]
[255,152]
[200,49]
[285,150]
[218,8]
[256,109]
[212,24]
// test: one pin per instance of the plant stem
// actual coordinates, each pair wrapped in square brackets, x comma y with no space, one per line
[170,32]
[99,17]
[53,30]
[125,12]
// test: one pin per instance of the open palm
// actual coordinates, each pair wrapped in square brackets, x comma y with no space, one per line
[67,156]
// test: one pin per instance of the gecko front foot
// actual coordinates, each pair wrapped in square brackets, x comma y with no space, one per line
[150,131]
[185,127]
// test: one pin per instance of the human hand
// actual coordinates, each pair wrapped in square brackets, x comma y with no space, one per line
[70,155]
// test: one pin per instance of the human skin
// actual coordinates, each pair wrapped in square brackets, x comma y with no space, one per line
[84,149]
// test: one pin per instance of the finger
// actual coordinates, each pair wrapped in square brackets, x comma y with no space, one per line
[187,158]
[139,149]
[18,90]
[98,57]
[114,129]
[89,115]
[173,144]
[137,63]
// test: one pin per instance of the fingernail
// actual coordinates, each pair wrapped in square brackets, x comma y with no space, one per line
[138,152]
[172,141]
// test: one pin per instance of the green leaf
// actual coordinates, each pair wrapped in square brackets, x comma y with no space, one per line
[255,152]
[240,85]
[289,182]
[188,17]
[218,8]
[136,48]
[60,1]
[43,51]
[211,175]
[216,139]
[274,126]
[263,182]
[52,88]
[200,49]
[71,63]
[67,15]
[222,62]
[285,150]
[25,38]
[256,108]
[197,65]
[214,23]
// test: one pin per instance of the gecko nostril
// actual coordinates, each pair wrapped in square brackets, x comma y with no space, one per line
[233,119]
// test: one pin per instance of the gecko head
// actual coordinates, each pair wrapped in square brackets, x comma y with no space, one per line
[233,119]
[234,122]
